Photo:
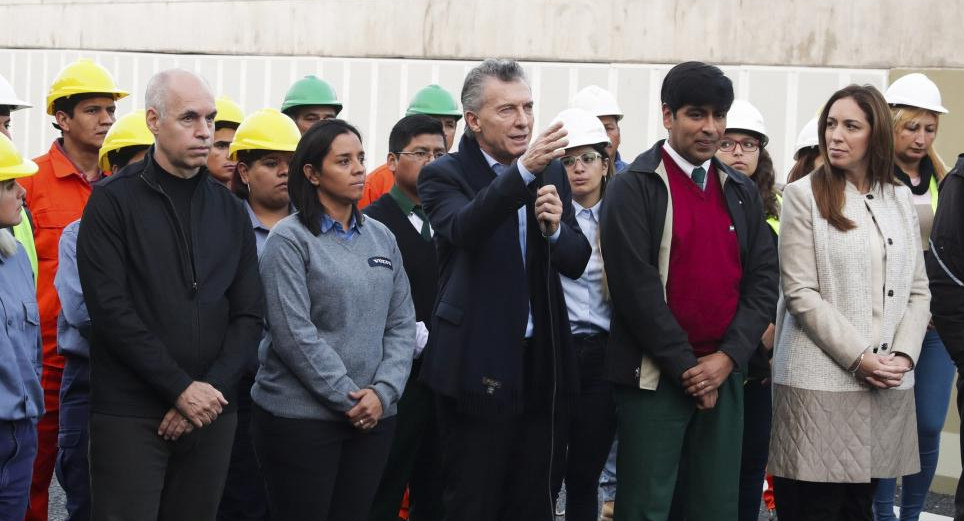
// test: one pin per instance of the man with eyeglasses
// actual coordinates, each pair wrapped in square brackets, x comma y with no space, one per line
[692,275]
[414,142]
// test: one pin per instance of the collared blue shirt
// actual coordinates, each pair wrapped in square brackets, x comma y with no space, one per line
[527,177]
[21,397]
[589,311]
[328,224]
[260,230]
[619,164]
[73,311]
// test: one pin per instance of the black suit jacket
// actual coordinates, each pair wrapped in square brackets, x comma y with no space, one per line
[476,352]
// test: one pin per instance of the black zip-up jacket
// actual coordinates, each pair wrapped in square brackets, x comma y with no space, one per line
[945,263]
[163,316]
[631,228]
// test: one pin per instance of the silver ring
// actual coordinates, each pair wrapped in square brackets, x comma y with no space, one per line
[703,384]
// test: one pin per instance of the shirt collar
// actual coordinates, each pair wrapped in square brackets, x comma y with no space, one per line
[255,221]
[492,162]
[404,202]
[327,223]
[593,210]
[67,166]
[685,165]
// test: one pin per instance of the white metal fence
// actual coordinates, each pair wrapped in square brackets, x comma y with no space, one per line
[376,92]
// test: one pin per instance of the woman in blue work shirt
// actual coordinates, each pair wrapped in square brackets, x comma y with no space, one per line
[21,399]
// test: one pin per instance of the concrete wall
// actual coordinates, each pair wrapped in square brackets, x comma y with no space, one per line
[861,33]
[376,91]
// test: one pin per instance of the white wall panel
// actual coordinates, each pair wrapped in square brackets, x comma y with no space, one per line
[376,91]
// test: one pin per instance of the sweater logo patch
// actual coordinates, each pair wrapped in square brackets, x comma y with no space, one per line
[383,262]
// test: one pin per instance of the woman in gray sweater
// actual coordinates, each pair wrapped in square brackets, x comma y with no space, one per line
[341,333]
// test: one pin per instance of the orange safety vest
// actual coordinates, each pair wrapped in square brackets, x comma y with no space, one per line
[377,184]
[56,197]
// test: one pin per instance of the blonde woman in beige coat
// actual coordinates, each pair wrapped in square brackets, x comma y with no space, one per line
[850,323]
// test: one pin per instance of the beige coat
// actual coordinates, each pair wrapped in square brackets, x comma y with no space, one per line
[844,293]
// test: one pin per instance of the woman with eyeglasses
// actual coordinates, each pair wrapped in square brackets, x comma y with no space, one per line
[743,147]
[586,435]
[916,105]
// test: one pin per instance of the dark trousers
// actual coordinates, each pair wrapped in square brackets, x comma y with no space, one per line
[136,475]
[959,497]
[319,470]
[495,469]
[72,467]
[414,460]
[586,434]
[18,447]
[244,497]
[757,402]
[810,501]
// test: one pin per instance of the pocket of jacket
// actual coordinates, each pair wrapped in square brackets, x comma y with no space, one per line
[449,313]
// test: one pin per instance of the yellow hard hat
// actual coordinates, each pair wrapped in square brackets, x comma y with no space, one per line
[12,164]
[228,111]
[128,131]
[266,129]
[82,77]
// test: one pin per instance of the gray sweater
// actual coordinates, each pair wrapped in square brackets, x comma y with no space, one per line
[340,318]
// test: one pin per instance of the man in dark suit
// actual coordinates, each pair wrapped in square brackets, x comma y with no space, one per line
[414,142]
[500,358]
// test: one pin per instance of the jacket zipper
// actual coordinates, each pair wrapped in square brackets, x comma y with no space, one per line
[185,252]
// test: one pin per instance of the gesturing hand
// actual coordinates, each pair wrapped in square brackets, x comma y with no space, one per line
[548,209]
[551,144]
[201,403]
[174,425]
[707,375]
[366,413]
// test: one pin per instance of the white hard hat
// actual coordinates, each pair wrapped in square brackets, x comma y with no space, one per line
[807,137]
[744,116]
[9,98]
[597,101]
[584,128]
[915,90]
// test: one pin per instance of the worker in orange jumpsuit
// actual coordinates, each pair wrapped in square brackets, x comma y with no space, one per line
[81,100]
[433,101]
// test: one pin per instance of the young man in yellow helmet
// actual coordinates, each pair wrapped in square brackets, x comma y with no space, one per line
[82,101]
[230,115]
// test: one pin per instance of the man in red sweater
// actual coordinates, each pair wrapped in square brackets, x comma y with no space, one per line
[693,278]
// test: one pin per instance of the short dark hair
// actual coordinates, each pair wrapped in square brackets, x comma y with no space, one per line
[218,125]
[696,83]
[69,103]
[312,149]
[410,127]
[248,157]
[122,156]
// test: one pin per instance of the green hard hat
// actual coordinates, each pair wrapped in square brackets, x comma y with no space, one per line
[434,101]
[311,90]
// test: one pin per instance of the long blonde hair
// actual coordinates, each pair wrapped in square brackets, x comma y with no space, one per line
[902,116]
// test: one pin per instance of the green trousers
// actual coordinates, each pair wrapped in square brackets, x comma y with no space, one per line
[664,438]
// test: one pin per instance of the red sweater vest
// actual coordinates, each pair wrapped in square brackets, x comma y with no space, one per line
[703,286]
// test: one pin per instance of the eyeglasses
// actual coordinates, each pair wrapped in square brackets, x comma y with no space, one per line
[747,145]
[422,155]
[587,159]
